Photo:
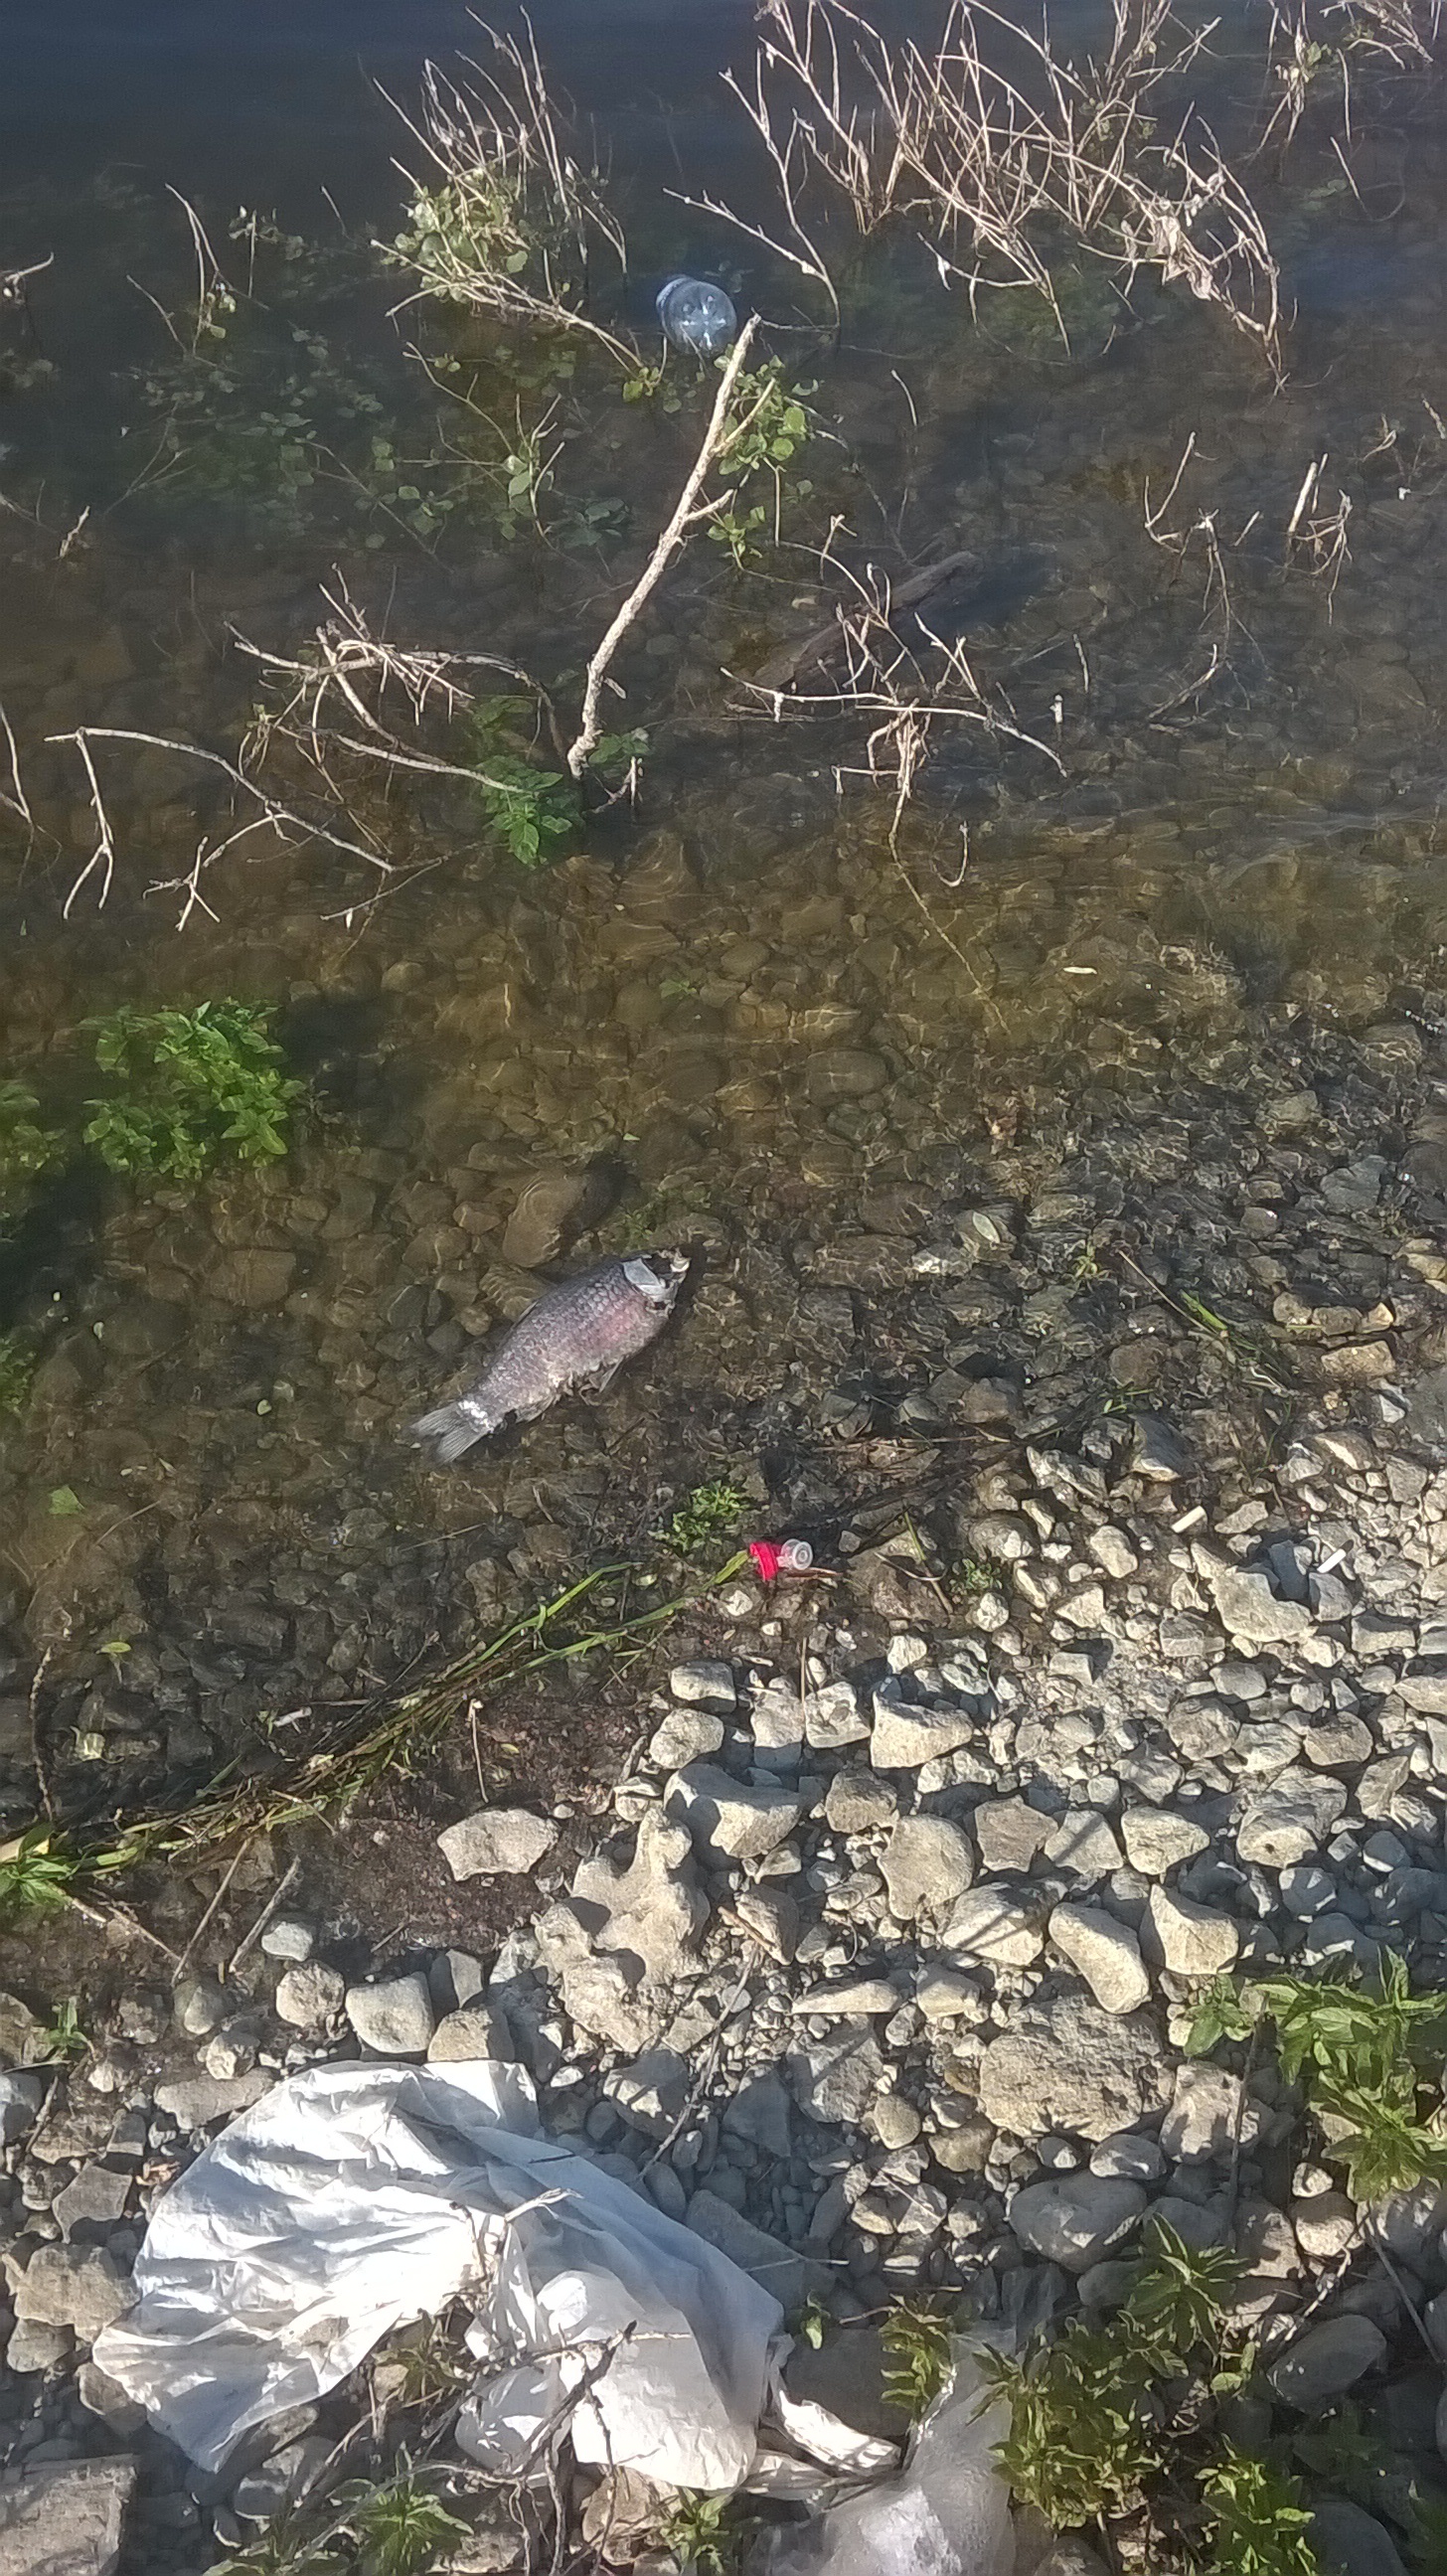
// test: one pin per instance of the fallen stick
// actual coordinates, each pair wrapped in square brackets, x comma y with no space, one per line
[793,660]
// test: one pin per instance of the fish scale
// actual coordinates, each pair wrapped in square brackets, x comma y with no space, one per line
[578,1334]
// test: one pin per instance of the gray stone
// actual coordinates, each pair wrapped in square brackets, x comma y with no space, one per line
[194,2101]
[1349,2542]
[705,1685]
[1010,1833]
[1106,1954]
[731,1819]
[1158,1453]
[1200,1728]
[309,1995]
[81,2286]
[773,1917]
[832,1717]
[455,1978]
[201,2005]
[855,1801]
[1291,1818]
[774,2266]
[1195,1941]
[1424,1688]
[834,2080]
[845,1999]
[1206,2106]
[394,2017]
[96,2198]
[1247,1607]
[761,2112]
[927,1863]
[599,1994]
[474,2030]
[497,1842]
[1337,1741]
[904,1736]
[33,2347]
[991,1923]
[65,2518]
[1085,1845]
[895,2122]
[1111,1548]
[105,2397]
[21,2096]
[1069,2065]
[650,2091]
[289,1936]
[686,1735]
[1407,2222]
[1075,2219]
[943,1994]
[1157,1839]
[651,1908]
[1325,2225]
[1328,2359]
[1128,2157]
[282,2479]
[776,1724]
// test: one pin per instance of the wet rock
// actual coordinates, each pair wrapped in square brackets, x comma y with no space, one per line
[309,1995]
[252,1277]
[497,1842]
[1075,2219]
[1195,1940]
[394,2017]
[927,1863]
[1069,2065]
[731,1819]
[1209,2107]
[21,2096]
[66,2518]
[1106,1954]
[554,1208]
[844,1073]
[1323,2363]
[80,2286]
[650,2091]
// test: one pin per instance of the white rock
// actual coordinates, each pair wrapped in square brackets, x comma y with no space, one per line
[1201,2123]
[1195,1940]
[1106,1954]
[394,2016]
[1291,1818]
[994,1924]
[853,1995]
[928,1863]
[904,1737]
[1085,1845]
[1128,2157]
[944,1995]
[1111,1548]
[1156,1839]
[497,1842]
[731,1819]
[705,1685]
[1075,2219]
[308,1995]
[832,1718]
[1325,2225]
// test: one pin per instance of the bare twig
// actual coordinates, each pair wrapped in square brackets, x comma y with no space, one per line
[687,513]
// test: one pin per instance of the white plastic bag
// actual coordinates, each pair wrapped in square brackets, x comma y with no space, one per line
[355,2198]
[945,2513]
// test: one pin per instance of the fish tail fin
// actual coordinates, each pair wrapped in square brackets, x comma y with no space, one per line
[453,1428]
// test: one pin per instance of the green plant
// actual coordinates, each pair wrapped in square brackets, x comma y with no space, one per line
[1084,2437]
[1364,2060]
[400,2529]
[709,1511]
[706,2532]
[1258,2523]
[766,427]
[812,2322]
[17,1368]
[1344,2453]
[192,1088]
[1179,2293]
[916,2338]
[37,1873]
[26,1147]
[64,2037]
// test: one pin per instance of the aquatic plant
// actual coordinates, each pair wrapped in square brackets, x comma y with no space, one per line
[190,1089]
[26,1145]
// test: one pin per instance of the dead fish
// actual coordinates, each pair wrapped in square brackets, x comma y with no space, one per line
[578,1334]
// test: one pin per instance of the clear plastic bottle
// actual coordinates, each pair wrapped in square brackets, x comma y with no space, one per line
[696,316]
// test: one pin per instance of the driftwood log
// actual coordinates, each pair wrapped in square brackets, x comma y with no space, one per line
[792,662]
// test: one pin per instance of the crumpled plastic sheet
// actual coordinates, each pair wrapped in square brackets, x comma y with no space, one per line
[946,2512]
[354,2199]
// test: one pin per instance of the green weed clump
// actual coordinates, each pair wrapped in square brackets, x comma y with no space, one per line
[190,1089]
[1365,2060]
[768,425]
[27,1147]
[1257,2520]
[706,2533]
[17,1368]
[916,2338]
[535,812]
[708,1512]
[37,1874]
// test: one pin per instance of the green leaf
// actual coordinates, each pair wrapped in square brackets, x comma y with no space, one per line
[65,1502]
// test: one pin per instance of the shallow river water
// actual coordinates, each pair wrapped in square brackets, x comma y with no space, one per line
[781,1036]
